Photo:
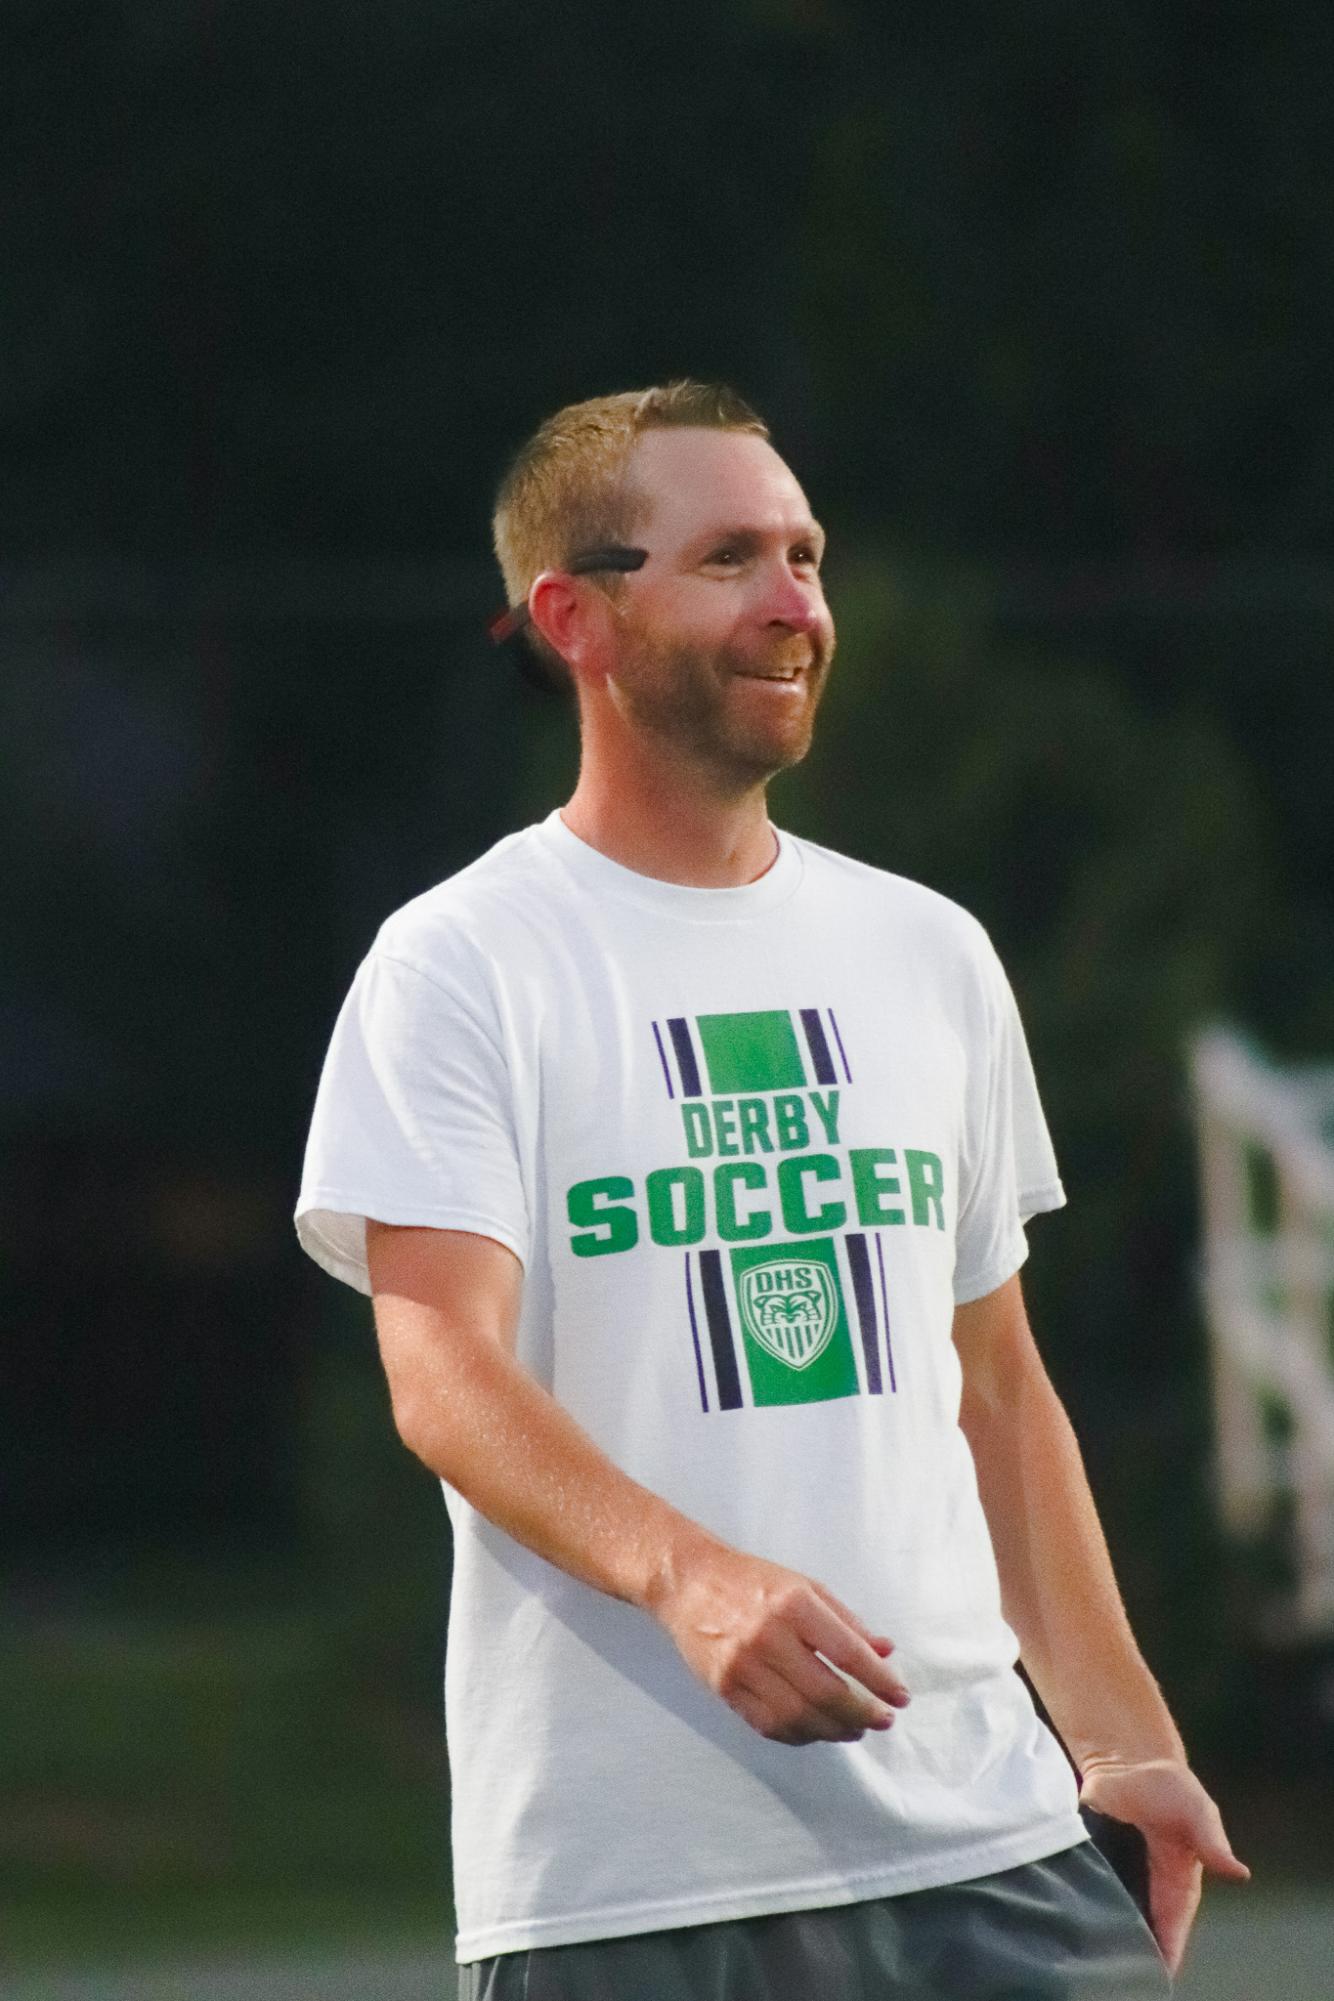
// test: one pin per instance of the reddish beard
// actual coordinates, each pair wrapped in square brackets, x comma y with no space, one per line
[683,696]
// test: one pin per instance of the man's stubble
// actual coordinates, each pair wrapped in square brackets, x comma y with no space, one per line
[684,697]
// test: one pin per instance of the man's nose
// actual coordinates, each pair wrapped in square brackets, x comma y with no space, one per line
[796,602]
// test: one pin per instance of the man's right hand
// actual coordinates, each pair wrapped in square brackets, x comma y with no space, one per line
[754,1633]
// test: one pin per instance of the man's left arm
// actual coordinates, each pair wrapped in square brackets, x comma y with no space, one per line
[1059,1595]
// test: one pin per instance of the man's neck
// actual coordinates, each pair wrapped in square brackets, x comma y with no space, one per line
[676,836]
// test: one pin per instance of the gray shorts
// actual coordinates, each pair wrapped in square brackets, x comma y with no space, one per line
[1063,1929]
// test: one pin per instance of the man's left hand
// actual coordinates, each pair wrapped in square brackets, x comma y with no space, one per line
[1184,1833]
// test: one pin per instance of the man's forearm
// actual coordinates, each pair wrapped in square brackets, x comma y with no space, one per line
[509,1448]
[1057,1586]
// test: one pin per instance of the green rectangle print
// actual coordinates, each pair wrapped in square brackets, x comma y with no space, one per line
[794,1328]
[751,1052]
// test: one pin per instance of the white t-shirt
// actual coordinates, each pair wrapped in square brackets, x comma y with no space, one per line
[752,1145]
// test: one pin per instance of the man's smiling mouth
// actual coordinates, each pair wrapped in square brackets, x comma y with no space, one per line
[783,671]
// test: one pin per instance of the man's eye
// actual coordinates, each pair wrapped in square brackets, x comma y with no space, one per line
[805,552]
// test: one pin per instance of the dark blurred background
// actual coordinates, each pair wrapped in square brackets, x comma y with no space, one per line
[1038,303]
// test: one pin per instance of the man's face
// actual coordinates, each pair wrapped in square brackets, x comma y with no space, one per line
[727,639]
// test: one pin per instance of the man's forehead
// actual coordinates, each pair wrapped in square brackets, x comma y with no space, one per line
[695,478]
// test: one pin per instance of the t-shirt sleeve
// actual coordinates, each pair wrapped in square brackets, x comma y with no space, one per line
[1008,1168]
[413,1120]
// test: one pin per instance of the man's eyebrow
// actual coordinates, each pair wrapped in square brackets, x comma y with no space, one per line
[753,538]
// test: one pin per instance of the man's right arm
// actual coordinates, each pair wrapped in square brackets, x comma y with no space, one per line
[446,1309]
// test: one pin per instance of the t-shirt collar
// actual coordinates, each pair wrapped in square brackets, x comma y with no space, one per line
[609,878]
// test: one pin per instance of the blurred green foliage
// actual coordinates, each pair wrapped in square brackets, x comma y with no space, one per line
[248,1751]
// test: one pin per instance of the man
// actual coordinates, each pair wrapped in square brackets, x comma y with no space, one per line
[687,1163]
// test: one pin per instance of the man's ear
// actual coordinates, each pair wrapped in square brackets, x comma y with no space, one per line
[574,619]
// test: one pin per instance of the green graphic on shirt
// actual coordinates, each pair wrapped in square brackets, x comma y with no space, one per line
[751,1052]
[794,1328]
[801,1193]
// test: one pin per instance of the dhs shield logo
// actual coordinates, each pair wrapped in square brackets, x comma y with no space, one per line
[790,1307]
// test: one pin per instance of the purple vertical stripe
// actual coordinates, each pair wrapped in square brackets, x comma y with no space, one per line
[720,1330]
[833,1022]
[679,1030]
[662,1058]
[825,1072]
[694,1335]
[864,1292]
[884,1301]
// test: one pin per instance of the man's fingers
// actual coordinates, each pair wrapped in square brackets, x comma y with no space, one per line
[788,1715]
[1198,1835]
[1174,1898]
[751,1710]
[878,1641]
[844,1641]
[1222,1862]
[817,1684]
[1215,1851]
[1176,1872]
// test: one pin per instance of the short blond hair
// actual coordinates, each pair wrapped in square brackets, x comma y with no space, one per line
[568,488]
